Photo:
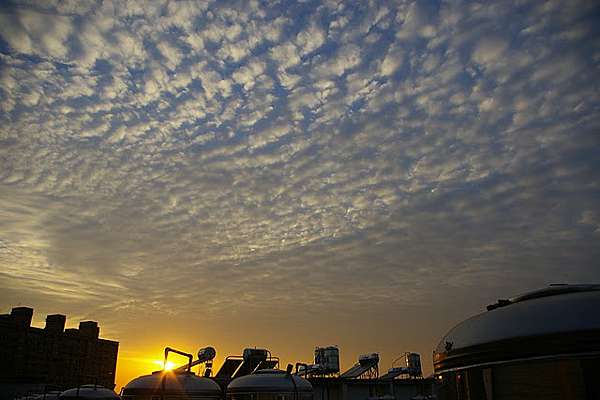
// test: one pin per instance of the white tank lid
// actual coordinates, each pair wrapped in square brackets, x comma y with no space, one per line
[269,380]
[563,311]
[89,392]
[174,382]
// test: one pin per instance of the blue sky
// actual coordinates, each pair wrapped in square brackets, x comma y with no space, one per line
[387,161]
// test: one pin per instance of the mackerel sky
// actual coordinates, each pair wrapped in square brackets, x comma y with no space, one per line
[290,174]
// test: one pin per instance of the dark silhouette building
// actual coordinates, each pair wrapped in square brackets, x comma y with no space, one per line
[38,359]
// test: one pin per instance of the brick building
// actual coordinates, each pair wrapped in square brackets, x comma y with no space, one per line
[35,359]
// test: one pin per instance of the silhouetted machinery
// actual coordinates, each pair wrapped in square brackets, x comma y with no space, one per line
[48,395]
[88,392]
[410,369]
[327,363]
[178,384]
[252,360]
[270,384]
[541,345]
[205,356]
[367,367]
[328,359]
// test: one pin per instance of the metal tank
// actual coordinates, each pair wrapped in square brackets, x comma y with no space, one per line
[255,354]
[364,359]
[270,384]
[89,392]
[328,359]
[50,395]
[177,384]
[205,356]
[541,345]
[413,364]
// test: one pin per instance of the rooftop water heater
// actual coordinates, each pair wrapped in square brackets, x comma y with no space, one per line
[327,359]
[252,360]
[413,364]
[367,367]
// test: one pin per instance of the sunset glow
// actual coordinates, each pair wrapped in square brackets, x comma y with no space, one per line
[168,366]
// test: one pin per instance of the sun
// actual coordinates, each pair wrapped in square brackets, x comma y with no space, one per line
[168,366]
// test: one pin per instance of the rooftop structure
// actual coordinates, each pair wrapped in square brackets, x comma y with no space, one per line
[319,381]
[40,359]
[366,367]
[540,345]
[252,360]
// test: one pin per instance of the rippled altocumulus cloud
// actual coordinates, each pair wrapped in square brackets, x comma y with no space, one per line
[289,153]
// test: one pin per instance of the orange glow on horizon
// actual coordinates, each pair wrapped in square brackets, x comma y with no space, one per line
[131,367]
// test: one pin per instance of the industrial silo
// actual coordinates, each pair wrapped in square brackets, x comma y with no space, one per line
[270,384]
[541,345]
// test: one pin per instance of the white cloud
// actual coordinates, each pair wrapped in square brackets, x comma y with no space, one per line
[32,32]
[346,170]
[560,68]
[248,74]
[346,57]
[50,33]
[286,55]
[310,39]
[392,60]
[183,13]
[289,81]
[415,21]
[268,135]
[129,47]
[234,51]
[15,36]
[172,54]
[489,50]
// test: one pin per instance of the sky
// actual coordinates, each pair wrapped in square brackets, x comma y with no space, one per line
[291,174]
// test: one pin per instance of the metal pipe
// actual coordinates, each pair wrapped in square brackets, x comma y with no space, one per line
[181,353]
[299,364]
[209,354]
[288,371]
[188,367]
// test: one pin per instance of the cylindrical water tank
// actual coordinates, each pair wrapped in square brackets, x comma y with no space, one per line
[171,385]
[255,354]
[368,358]
[50,395]
[413,363]
[89,392]
[328,359]
[541,345]
[270,384]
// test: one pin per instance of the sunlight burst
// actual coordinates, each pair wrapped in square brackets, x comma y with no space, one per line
[168,366]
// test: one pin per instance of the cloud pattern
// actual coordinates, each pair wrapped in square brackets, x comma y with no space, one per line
[346,157]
